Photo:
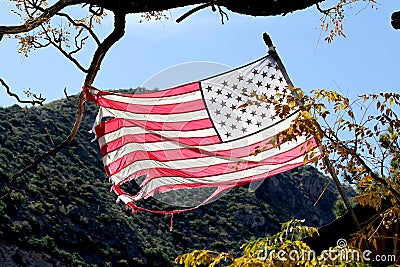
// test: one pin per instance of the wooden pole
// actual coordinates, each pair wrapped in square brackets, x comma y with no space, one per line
[328,165]
[346,201]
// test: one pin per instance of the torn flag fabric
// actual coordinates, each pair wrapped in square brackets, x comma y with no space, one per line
[198,135]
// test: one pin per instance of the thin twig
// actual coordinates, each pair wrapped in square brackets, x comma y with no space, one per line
[65,93]
[78,43]
[322,193]
[324,11]
[51,139]
[76,24]
[222,13]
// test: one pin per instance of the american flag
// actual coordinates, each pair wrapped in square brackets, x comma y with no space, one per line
[202,134]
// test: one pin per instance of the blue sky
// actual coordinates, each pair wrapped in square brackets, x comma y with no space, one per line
[367,61]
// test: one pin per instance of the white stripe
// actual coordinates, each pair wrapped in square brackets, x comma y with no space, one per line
[167,145]
[165,100]
[234,176]
[190,163]
[168,134]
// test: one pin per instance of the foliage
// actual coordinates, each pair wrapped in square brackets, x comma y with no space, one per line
[285,248]
[340,208]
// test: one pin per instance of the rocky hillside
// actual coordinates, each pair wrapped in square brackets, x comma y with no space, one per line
[62,213]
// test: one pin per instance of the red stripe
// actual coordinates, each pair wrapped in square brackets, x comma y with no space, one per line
[200,172]
[179,90]
[117,123]
[153,138]
[185,107]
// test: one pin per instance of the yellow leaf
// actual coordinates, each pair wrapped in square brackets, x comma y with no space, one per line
[391,101]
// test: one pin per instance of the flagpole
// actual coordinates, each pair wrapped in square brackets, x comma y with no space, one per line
[328,165]
[345,199]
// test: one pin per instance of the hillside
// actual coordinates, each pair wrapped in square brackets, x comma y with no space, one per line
[62,214]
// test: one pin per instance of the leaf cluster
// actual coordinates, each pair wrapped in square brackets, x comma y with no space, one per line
[284,248]
[333,18]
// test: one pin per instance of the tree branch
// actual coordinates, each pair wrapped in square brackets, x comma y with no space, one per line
[97,12]
[60,48]
[324,11]
[65,93]
[361,161]
[76,24]
[52,152]
[117,34]
[36,22]
[194,10]
[57,41]
[37,99]
[223,14]
[377,177]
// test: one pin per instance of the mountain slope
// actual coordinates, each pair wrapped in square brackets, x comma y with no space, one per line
[62,213]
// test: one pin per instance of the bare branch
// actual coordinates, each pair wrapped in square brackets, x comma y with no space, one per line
[324,11]
[194,10]
[222,13]
[200,7]
[97,12]
[78,43]
[36,99]
[76,24]
[51,139]
[65,93]
[57,43]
